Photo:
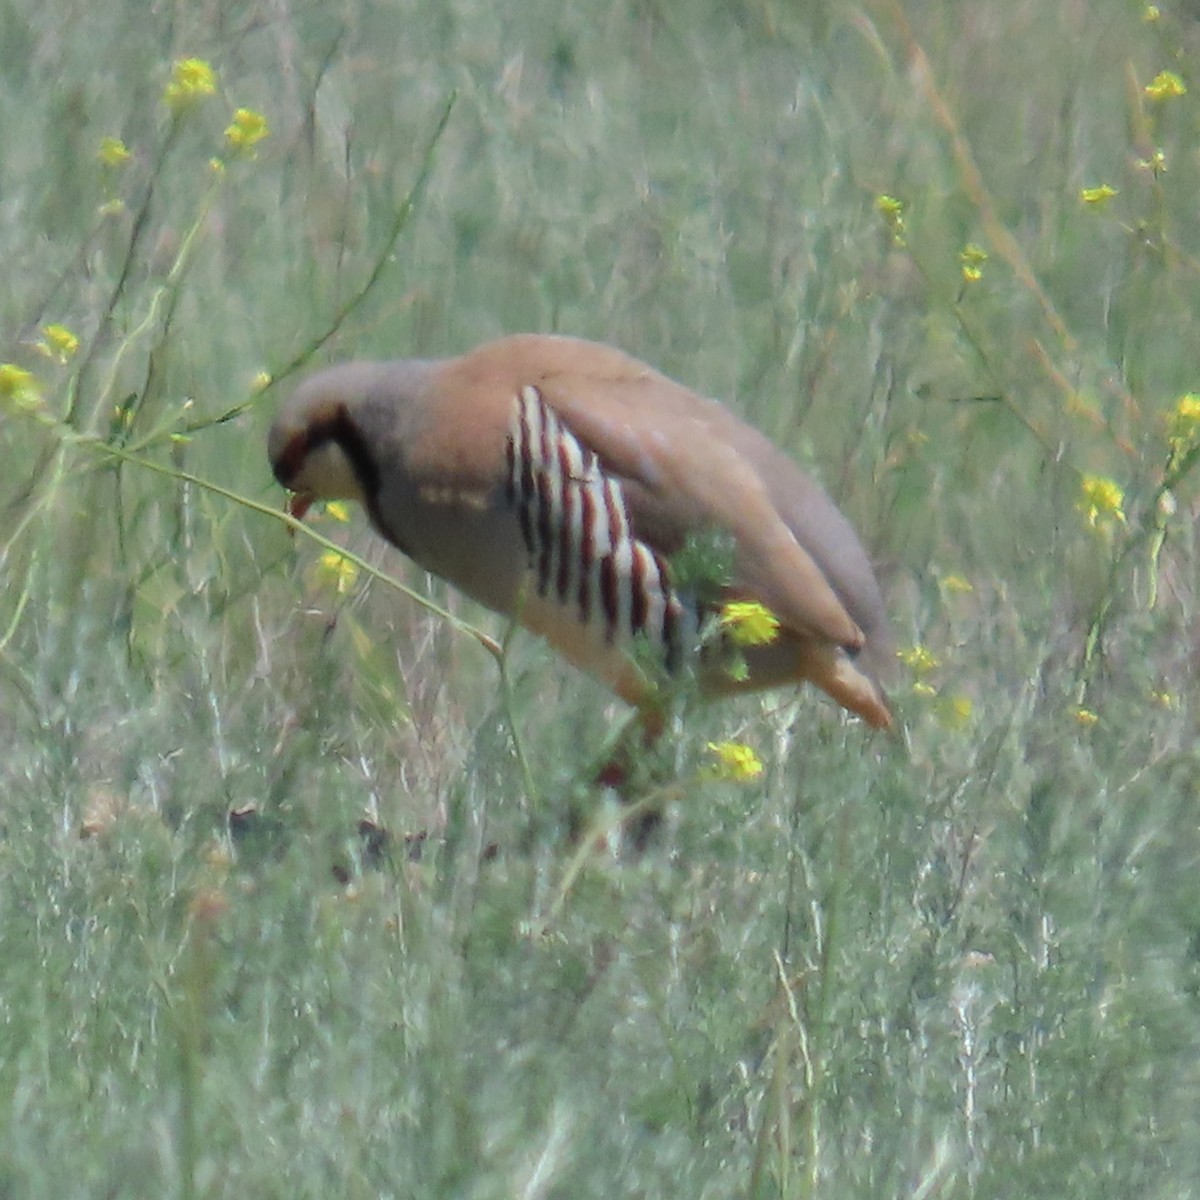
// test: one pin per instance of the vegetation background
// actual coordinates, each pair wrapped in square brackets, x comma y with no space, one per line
[946,253]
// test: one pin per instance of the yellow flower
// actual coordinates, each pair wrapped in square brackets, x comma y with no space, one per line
[247,129]
[958,584]
[18,388]
[736,762]
[1151,12]
[1165,86]
[921,688]
[58,342]
[919,658]
[339,510]
[260,382]
[1102,501]
[1165,699]
[338,571]
[892,211]
[1098,196]
[1187,408]
[1183,425]
[1085,717]
[191,79]
[749,623]
[972,257]
[113,152]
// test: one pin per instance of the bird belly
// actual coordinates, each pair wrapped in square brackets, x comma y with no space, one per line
[591,612]
[613,661]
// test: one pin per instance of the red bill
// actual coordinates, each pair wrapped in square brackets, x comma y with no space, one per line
[298,505]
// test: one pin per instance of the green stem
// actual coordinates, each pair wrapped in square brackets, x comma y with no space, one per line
[1150,530]
[510,715]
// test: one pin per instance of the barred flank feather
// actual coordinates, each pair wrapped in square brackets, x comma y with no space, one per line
[582,552]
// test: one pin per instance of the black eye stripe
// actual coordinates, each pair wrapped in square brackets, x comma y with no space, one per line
[336,427]
[288,464]
[350,438]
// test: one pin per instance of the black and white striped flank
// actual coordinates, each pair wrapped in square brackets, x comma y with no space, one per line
[582,552]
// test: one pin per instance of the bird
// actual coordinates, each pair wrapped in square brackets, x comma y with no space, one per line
[556,481]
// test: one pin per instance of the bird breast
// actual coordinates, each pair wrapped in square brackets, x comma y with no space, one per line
[549,543]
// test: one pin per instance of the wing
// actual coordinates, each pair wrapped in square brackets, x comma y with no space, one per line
[687,465]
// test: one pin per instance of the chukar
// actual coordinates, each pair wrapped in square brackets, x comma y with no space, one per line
[552,479]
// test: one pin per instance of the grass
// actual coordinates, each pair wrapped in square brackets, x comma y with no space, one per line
[965,962]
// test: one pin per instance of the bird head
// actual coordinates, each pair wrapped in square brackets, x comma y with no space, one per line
[323,444]
[308,455]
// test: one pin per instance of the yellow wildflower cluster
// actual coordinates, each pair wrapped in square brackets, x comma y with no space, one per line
[1085,716]
[246,130]
[919,659]
[749,623]
[952,711]
[735,762]
[1102,502]
[1098,196]
[337,571]
[892,212]
[191,80]
[1166,85]
[971,258]
[113,152]
[18,388]
[58,342]
[1183,425]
